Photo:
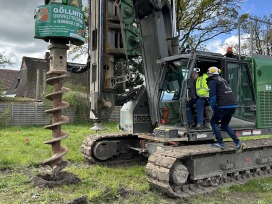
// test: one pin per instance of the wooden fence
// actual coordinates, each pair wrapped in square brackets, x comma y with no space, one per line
[18,114]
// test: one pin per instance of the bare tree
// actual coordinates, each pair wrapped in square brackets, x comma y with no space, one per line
[4,61]
[255,33]
[201,20]
[260,27]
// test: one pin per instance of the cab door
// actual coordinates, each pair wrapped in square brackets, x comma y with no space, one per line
[240,80]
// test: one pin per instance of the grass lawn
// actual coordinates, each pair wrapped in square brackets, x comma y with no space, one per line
[22,150]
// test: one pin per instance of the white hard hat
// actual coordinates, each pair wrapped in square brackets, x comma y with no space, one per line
[197,69]
[214,70]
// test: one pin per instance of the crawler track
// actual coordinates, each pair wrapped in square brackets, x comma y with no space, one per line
[161,163]
[121,157]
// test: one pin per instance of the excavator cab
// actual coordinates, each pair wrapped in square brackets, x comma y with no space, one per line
[175,92]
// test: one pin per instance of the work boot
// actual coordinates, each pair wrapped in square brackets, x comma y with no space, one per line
[218,145]
[199,127]
[239,148]
[192,125]
[208,125]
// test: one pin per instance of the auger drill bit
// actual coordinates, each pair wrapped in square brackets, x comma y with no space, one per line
[56,76]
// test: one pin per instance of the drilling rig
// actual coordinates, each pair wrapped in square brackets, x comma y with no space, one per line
[154,123]
[59,22]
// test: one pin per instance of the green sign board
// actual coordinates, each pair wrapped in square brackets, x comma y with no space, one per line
[60,21]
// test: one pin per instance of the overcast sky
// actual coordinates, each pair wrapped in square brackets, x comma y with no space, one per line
[17,28]
[17,31]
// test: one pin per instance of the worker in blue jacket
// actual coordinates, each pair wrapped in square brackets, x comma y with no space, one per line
[223,104]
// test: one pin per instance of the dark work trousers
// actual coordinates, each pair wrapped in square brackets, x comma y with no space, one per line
[224,115]
[200,103]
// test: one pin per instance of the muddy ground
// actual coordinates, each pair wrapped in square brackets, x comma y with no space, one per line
[40,176]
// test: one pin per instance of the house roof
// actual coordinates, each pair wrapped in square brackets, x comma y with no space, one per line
[30,81]
[7,78]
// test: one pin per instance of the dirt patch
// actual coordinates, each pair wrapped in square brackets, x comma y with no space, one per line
[81,200]
[6,170]
[124,192]
[62,178]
